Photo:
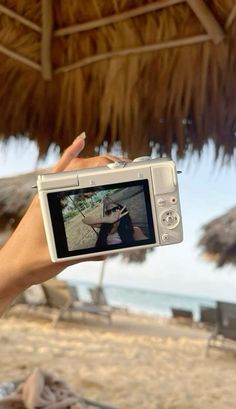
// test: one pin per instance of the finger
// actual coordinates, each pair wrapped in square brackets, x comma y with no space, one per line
[124,210]
[114,158]
[123,214]
[70,153]
[102,160]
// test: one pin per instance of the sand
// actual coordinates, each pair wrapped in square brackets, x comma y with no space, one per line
[137,362]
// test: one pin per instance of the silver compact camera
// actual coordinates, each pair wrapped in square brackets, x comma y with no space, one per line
[117,207]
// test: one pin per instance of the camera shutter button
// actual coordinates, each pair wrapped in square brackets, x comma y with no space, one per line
[117,164]
[142,158]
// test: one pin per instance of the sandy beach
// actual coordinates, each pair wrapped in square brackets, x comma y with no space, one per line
[136,362]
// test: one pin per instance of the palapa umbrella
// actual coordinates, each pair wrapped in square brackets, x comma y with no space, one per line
[15,197]
[218,240]
[142,72]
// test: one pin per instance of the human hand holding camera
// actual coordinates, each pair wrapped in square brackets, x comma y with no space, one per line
[25,257]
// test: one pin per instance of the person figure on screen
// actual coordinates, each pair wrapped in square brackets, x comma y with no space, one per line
[115,225]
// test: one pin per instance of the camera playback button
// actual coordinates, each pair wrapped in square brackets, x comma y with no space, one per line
[161,202]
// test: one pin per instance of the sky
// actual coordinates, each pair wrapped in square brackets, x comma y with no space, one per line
[207,190]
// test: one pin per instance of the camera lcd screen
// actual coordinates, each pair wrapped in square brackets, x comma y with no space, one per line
[101,218]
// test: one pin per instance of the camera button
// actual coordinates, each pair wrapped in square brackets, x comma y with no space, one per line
[165,237]
[170,219]
[173,200]
[142,158]
[116,164]
[161,202]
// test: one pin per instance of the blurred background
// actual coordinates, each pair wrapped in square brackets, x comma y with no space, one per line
[147,78]
[141,78]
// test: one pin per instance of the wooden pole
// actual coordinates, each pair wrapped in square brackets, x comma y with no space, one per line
[231,17]
[136,50]
[46,40]
[207,19]
[116,18]
[102,272]
[15,56]
[17,17]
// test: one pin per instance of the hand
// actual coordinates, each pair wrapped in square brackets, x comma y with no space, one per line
[25,258]
[115,216]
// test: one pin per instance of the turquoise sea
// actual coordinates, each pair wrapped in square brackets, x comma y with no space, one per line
[145,301]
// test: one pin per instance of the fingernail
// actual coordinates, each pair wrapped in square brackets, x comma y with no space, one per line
[81,136]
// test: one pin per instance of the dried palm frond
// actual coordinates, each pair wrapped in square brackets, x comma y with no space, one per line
[135,71]
[218,239]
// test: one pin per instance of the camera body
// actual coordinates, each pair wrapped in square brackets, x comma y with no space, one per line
[113,208]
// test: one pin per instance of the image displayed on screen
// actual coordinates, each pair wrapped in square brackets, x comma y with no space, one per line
[107,217]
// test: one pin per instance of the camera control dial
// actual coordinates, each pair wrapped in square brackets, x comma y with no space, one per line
[170,219]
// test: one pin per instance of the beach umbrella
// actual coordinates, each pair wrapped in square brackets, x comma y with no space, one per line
[144,73]
[15,197]
[218,240]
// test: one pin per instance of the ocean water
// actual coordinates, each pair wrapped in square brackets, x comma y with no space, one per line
[145,301]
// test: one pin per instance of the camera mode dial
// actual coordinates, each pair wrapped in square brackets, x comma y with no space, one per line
[170,219]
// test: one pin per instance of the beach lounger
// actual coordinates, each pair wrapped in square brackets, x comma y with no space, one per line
[208,316]
[62,297]
[99,298]
[182,315]
[224,335]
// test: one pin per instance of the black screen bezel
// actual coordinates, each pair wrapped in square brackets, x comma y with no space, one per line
[59,228]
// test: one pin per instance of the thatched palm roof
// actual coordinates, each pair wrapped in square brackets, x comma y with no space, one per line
[218,240]
[135,71]
[16,194]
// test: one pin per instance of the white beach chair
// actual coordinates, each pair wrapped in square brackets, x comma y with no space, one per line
[63,298]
